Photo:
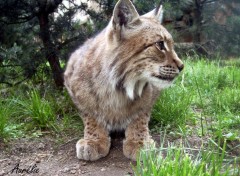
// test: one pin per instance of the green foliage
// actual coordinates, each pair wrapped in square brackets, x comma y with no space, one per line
[38,110]
[181,161]
[172,107]
[5,114]
[212,78]
[216,97]
[207,93]
[226,100]
[16,65]
[9,128]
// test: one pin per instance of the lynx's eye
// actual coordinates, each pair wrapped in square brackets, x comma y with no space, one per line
[160,45]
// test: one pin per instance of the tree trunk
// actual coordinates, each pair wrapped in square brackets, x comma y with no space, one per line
[50,49]
[198,21]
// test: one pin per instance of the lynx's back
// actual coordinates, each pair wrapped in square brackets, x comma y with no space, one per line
[118,75]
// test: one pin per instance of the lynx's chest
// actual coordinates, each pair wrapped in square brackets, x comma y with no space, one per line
[115,111]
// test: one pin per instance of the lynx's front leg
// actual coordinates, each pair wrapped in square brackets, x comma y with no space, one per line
[96,142]
[137,136]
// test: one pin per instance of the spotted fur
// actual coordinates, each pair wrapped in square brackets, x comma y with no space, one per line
[115,78]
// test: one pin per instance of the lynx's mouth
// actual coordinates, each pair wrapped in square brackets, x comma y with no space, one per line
[165,77]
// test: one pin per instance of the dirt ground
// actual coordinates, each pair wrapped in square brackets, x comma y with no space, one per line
[43,156]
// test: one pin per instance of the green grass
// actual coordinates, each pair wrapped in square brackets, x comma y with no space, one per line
[181,161]
[207,93]
[204,102]
[31,112]
[39,111]
[172,107]
[5,114]
[9,128]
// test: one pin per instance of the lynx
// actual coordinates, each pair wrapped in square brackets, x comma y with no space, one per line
[115,78]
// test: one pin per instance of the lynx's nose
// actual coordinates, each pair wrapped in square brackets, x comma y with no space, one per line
[177,62]
[180,67]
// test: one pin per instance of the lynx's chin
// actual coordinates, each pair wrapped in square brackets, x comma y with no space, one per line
[162,84]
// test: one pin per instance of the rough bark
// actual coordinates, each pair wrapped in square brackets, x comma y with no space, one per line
[50,49]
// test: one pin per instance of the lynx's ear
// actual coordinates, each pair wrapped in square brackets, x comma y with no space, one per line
[124,14]
[156,13]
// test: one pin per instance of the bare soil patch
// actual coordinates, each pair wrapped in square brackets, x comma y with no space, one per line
[43,156]
[51,160]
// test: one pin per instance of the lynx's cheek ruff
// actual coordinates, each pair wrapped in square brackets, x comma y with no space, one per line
[115,78]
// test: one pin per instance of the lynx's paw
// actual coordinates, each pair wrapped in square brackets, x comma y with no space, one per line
[92,150]
[132,148]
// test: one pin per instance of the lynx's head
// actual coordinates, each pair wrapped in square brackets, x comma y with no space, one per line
[142,50]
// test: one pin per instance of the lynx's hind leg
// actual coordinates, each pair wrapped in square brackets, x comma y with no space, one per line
[137,136]
[96,142]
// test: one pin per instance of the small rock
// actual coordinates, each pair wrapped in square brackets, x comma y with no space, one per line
[2,173]
[73,171]
[41,146]
[66,169]
[83,172]
[77,166]
[84,164]
[38,160]
[103,169]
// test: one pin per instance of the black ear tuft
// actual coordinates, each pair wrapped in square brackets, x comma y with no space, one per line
[124,13]
[123,17]
[156,13]
[158,7]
